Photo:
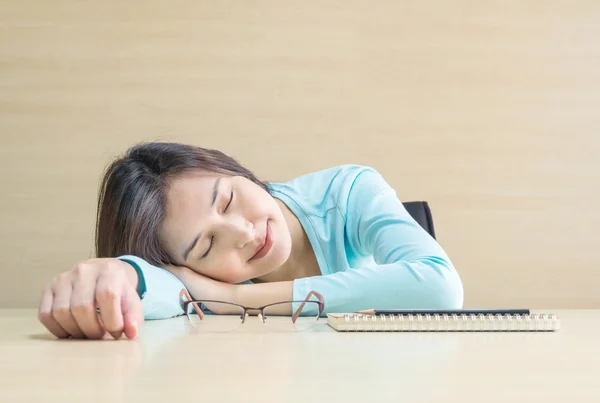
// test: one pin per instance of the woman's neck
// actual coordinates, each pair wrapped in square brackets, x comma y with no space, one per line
[302,261]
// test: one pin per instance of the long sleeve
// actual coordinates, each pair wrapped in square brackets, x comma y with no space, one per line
[159,289]
[410,269]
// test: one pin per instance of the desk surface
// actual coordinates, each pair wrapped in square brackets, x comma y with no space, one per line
[174,362]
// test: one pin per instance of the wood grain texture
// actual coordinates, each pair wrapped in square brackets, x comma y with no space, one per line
[487,110]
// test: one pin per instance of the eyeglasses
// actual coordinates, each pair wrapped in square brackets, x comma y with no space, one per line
[217,315]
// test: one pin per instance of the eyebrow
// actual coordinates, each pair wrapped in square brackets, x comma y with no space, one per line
[215,192]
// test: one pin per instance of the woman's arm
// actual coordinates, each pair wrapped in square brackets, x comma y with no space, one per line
[159,289]
[411,270]
[249,295]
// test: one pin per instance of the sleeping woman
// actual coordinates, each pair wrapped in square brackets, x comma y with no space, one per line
[175,217]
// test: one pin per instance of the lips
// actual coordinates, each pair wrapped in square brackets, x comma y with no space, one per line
[265,247]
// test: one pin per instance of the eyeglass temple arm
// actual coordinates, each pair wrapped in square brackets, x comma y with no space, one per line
[307,299]
[184,294]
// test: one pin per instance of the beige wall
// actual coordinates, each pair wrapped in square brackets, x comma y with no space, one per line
[490,112]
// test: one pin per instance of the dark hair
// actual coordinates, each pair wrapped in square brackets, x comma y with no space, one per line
[132,199]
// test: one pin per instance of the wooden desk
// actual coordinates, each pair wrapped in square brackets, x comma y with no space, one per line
[172,362]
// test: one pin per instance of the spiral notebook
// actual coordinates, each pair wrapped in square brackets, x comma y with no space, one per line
[461,320]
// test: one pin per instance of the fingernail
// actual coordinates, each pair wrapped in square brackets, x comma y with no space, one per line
[133,332]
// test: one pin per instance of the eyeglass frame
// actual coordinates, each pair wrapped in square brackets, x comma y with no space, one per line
[185,304]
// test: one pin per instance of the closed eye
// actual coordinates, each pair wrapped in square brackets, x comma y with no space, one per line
[229,203]
[209,247]
[213,238]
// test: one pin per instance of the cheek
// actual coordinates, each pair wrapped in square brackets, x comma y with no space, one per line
[283,243]
[258,205]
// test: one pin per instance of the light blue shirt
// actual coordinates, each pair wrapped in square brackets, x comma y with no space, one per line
[371,252]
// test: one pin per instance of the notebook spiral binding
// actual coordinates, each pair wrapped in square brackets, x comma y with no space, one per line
[450,323]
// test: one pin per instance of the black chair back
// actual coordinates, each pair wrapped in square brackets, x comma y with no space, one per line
[420,211]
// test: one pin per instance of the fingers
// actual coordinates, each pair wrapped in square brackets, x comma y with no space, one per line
[108,298]
[68,304]
[61,307]
[83,303]
[133,315]
[45,314]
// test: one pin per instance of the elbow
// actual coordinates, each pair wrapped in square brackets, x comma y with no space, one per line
[450,291]
[445,288]
[451,295]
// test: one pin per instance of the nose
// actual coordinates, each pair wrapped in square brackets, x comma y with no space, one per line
[239,230]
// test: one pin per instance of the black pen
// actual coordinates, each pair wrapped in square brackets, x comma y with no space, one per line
[445,312]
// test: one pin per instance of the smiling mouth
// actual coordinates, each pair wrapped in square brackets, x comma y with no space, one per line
[265,247]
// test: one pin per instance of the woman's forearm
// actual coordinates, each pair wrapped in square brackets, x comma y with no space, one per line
[250,295]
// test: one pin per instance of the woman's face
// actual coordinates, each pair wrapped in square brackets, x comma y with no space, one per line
[224,227]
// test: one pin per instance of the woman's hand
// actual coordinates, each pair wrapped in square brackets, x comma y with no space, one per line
[253,295]
[68,304]
[201,287]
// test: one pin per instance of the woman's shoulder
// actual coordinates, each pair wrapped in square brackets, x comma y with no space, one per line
[330,187]
[326,178]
